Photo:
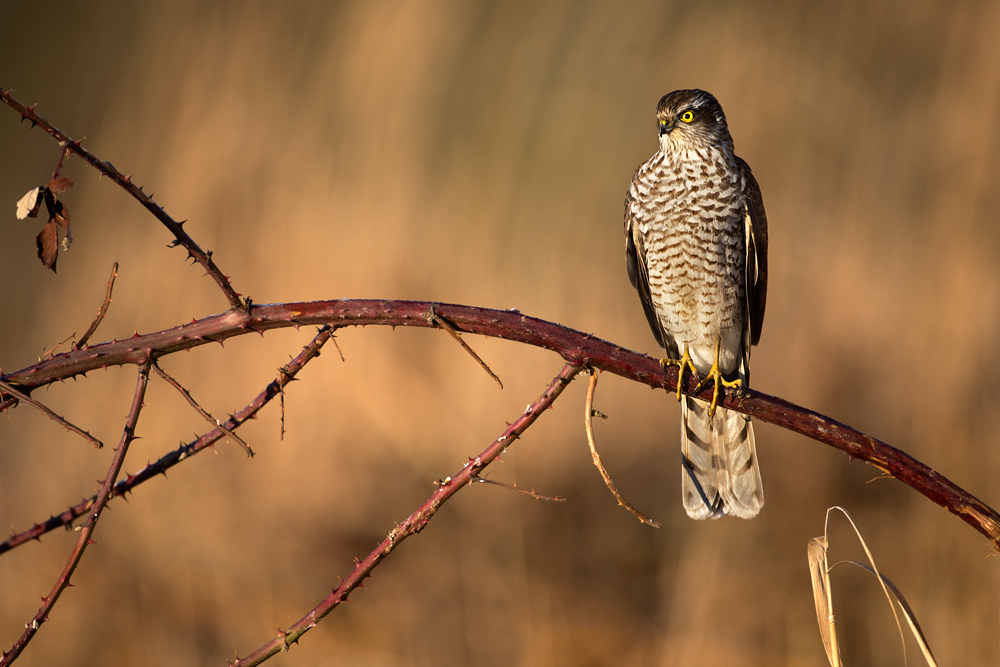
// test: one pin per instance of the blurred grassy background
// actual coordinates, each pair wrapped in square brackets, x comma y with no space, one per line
[479,154]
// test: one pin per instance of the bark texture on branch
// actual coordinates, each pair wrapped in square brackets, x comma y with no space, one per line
[580,349]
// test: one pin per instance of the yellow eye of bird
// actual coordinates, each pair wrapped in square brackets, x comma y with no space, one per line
[687,116]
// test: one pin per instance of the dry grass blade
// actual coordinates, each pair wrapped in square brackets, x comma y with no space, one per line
[822,594]
[871,559]
[823,598]
[588,423]
[911,618]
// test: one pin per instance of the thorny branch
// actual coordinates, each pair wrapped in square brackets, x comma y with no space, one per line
[200,410]
[577,349]
[46,355]
[573,346]
[160,467]
[181,237]
[515,487]
[44,409]
[87,530]
[415,522]
[435,319]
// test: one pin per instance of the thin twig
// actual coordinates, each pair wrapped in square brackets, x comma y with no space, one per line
[283,371]
[285,375]
[47,354]
[21,396]
[181,237]
[441,322]
[62,157]
[515,487]
[200,410]
[101,312]
[281,434]
[339,351]
[167,461]
[87,530]
[588,424]
[414,523]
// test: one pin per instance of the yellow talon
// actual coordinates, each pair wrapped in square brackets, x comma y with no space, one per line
[715,375]
[682,363]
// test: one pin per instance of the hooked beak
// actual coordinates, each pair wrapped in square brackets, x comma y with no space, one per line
[665,127]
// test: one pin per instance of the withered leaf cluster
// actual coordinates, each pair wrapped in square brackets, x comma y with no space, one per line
[48,239]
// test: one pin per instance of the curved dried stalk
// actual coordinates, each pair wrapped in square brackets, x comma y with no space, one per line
[588,422]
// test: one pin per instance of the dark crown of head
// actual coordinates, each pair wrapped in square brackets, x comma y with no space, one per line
[708,115]
[707,109]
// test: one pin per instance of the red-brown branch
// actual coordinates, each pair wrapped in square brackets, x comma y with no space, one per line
[181,237]
[202,412]
[102,311]
[415,522]
[87,530]
[47,411]
[578,348]
[164,463]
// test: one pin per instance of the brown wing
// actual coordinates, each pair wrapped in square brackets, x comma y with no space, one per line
[756,264]
[635,263]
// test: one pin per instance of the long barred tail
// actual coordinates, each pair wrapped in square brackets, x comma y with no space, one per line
[719,471]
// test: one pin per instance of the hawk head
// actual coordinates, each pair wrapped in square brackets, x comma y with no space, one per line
[692,118]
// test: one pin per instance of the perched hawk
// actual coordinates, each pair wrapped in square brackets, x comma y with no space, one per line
[696,250]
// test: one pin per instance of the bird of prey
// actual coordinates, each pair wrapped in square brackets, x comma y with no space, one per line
[696,251]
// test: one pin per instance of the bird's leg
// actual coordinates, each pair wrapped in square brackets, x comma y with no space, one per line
[715,375]
[683,363]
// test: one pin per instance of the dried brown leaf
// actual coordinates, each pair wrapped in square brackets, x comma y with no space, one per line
[60,184]
[48,245]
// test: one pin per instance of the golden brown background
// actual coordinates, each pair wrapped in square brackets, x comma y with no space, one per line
[479,153]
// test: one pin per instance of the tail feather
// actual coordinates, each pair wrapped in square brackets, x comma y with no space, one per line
[719,470]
